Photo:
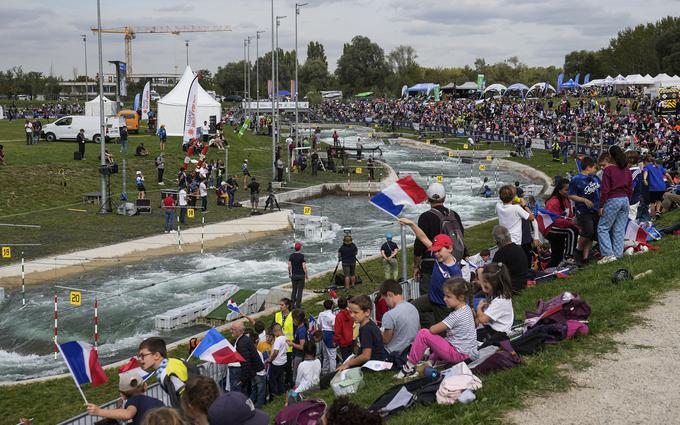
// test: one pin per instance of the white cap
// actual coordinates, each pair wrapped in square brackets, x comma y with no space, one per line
[436,191]
[139,172]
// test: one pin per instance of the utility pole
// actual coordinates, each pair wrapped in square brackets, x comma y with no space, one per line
[87,96]
[102,125]
[186,43]
[298,6]
[272,100]
[245,80]
[257,76]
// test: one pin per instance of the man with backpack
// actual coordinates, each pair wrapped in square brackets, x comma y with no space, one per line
[437,220]
[172,374]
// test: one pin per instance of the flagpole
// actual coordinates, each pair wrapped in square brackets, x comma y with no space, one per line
[72,374]
[403,253]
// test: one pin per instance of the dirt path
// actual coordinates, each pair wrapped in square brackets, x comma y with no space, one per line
[636,385]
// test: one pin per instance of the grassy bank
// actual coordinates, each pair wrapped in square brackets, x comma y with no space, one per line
[42,185]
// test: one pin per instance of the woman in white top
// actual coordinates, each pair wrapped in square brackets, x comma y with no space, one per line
[496,311]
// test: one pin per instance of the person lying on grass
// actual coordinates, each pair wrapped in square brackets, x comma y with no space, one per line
[460,342]
[370,338]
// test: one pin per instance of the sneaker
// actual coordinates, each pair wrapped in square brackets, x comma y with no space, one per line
[161,183]
[406,373]
[607,259]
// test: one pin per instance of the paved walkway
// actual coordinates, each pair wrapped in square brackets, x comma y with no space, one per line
[636,385]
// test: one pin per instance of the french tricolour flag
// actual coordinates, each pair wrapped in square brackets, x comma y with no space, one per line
[394,197]
[133,367]
[214,348]
[231,305]
[545,218]
[635,233]
[83,362]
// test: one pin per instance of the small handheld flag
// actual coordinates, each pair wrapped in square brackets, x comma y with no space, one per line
[214,348]
[83,363]
[231,305]
[133,366]
[312,322]
[635,233]
[395,196]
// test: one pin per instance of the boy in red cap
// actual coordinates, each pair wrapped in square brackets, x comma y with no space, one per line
[445,267]
[297,271]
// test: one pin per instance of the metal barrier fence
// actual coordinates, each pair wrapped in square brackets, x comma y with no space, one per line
[217,372]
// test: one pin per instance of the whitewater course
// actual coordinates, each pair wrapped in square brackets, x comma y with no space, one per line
[132,293]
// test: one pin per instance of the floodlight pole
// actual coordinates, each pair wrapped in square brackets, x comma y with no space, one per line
[272,100]
[102,125]
[276,93]
[245,80]
[257,76]
[87,97]
[186,43]
[298,6]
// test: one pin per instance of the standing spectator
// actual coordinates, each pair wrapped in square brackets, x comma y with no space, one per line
[37,127]
[389,251]
[205,132]
[636,175]
[616,190]
[80,139]
[232,186]
[315,162]
[254,187]
[169,207]
[327,323]
[584,190]
[279,170]
[431,224]
[182,202]
[347,254]
[308,372]
[653,177]
[514,214]
[297,272]
[246,173]
[371,169]
[343,335]
[300,336]
[160,166]
[203,193]
[28,128]
[277,361]
[241,377]
[162,137]
[284,318]
[139,182]
[123,140]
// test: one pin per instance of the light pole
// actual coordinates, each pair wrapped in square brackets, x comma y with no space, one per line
[250,37]
[186,43]
[87,97]
[257,76]
[273,106]
[298,6]
[276,76]
[245,80]
[105,203]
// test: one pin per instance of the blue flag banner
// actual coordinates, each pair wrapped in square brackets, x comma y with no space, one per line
[586,80]
[560,78]
[578,75]
[136,103]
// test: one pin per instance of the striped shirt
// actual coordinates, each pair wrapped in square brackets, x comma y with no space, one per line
[461,332]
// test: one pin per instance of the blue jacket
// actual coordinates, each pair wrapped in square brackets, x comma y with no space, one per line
[162,133]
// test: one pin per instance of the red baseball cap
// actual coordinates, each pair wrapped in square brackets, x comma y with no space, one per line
[441,241]
[297,246]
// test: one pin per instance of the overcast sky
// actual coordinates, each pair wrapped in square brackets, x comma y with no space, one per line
[40,35]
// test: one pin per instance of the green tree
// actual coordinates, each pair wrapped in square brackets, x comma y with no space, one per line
[362,66]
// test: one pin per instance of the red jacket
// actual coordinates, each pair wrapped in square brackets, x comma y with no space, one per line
[344,325]
[563,208]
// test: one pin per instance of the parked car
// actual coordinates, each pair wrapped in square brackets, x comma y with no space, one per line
[233,98]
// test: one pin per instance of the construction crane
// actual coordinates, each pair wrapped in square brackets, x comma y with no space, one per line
[130,34]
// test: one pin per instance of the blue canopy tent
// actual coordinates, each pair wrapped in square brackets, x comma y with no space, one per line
[571,84]
[425,88]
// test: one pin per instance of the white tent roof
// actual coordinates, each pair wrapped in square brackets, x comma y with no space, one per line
[178,95]
[662,77]
[596,82]
[620,79]
[92,107]
[540,86]
[96,100]
[500,88]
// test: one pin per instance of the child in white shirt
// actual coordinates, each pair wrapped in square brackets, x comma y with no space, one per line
[308,373]
[496,312]
[326,321]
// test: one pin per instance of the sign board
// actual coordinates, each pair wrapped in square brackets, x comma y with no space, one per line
[75,298]
[482,167]
[440,179]
[191,213]
[489,158]
[450,154]
[358,170]
[267,106]
[6,252]
[307,210]
[465,146]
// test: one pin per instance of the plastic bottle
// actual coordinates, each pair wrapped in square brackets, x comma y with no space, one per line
[431,373]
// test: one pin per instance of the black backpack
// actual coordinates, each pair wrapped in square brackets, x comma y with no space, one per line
[423,390]
[451,226]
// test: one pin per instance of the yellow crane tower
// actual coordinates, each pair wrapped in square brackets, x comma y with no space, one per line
[130,33]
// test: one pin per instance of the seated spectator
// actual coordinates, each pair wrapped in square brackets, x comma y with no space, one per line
[135,403]
[199,394]
[140,150]
[401,323]
[222,195]
[344,412]
[512,255]
[234,408]
[562,233]
[370,338]
[495,314]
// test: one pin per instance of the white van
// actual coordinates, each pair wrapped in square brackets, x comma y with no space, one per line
[67,128]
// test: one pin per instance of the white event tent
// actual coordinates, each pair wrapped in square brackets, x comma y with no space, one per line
[92,107]
[172,106]
[495,88]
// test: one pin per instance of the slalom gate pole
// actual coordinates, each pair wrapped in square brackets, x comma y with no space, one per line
[202,232]
[56,315]
[23,281]
[96,322]
[404,269]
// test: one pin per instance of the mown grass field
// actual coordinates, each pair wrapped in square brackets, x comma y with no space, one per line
[42,185]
